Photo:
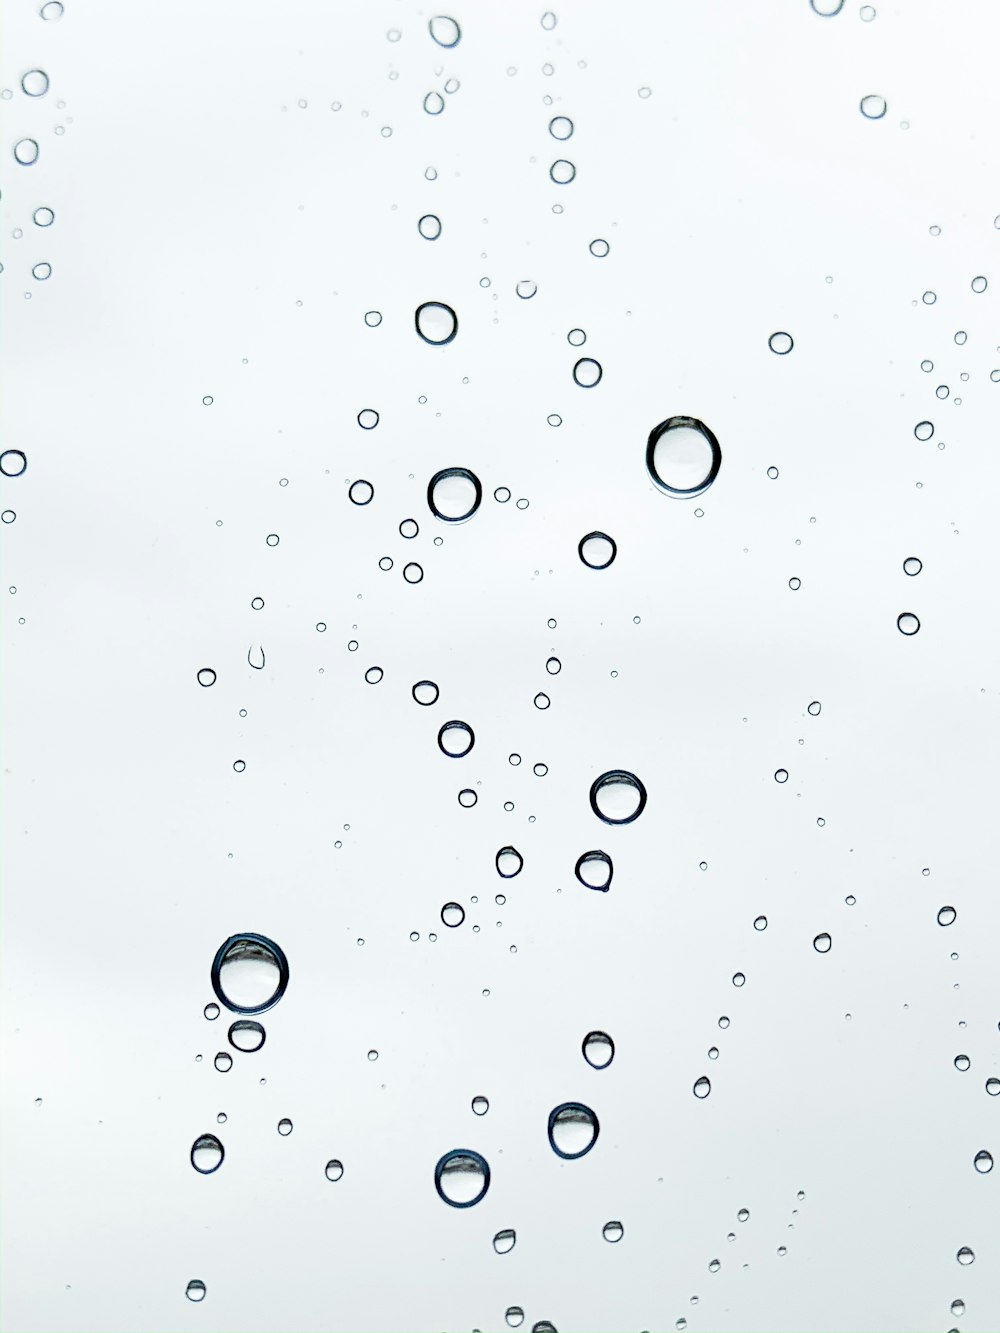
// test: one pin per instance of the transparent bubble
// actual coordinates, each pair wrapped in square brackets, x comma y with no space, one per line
[957,1307]
[509,862]
[823,943]
[866,13]
[912,565]
[983,1161]
[373,675]
[207,1154]
[373,318]
[815,708]
[425,692]
[595,870]
[873,107]
[43,217]
[573,1130]
[553,666]
[361,492]
[467,798]
[587,372]
[561,127]
[597,550]
[760,923]
[429,227]
[946,916]
[247,1036]
[35,82]
[52,11]
[436,323]
[979,284]
[456,739]
[548,20]
[334,1169]
[368,418]
[480,1105]
[26,152]
[714,1265]
[211,1012]
[454,494]
[41,272]
[272,539]
[923,430]
[413,573]
[993,1087]
[599,248]
[907,623]
[249,974]
[285,1127]
[612,1232]
[206,677]
[462,1177]
[195,1289]
[526,289]
[562,172]
[409,528]
[541,701]
[445,31]
[255,653]
[928,298]
[504,1241]
[780,343]
[738,980]
[514,1316]
[617,797]
[962,1063]
[781,775]
[682,456]
[433,103]
[702,1087]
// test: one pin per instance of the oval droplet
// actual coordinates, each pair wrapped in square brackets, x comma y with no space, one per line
[907,623]
[617,797]
[223,1062]
[247,1036]
[823,943]
[249,974]
[612,1232]
[207,1154]
[285,1127]
[873,107]
[436,323]
[965,1256]
[573,1130]
[526,289]
[255,653]
[781,343]
[682,457]
[462,1177]
[983,1161]
[445,31]
[480,1105]
[946,916]
[598,1050]
[504,1241]
[454,494]
[597,550]
[702,1087]
[587,372]
[334,1169]
[509,862]
[594,870]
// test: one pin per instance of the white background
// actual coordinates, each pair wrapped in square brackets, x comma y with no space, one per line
[216,237]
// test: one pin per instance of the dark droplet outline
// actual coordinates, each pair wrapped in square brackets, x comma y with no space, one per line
[554,1116]
[279,958]
[479,1159]
[617,775]
[675,423]
[603,1036]
[596,854]
[443,475]
[442,342]
[244,1025]
[604,537]
[215,1140]
[456,722]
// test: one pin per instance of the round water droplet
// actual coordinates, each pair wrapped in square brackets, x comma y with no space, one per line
[504,1241]
[873,107]
[285,1127]
[597,550]
[542,701]
[526,289]
[207,1153]
[823,943]
[445,31]
[993,1087]
[599,248]
[462,1177]
[480,1105]
[781,775]
[983,1161]
[8,516]
[962,1063]
[587,372]
[907,623]
[514,1316]
[548,20]
[453,914]
[979,284]
[509,862]
[682,456]
[368,418]
[206,677]
[595,870]
[946,916]
[247,1036]
[433,103]
[702,1087]
[573,1130]
[35,82]
[52,11]
[553,666]
[425,692]
[373,318]
[562,172]
[612,1232]
[361,493]
[413,573]
[249,974]
[866,13]
[373,675]
[456,739]
[429,226]
[334,1169]
[454,494]
[211,1012]
[923,430]
[815,708]
[965,1256]
[598,1050]
[223,1062]
[13,462]
[436,323]
[760,923]
[195,1290]
[26,152]
[912,566]
[467,798]
[560,127]
[617,797]
[781,343]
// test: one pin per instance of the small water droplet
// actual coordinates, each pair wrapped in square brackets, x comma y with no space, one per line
[223,1062]
[480,1105]
[781,343]
[195,1290]
[573,1129]
[594,870]
[873,107]
[907,623]
[334,1169]
[823,943]
[285,1127]
[587,372]
[429,226]
[247,1036]
[425,692]
[26,152]
[504,1241]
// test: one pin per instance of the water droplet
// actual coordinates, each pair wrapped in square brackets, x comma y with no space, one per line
[912,565]
[480,1105]
[436,323]
[207,1153]
[815,708]
[373,318]
[334,1169]
[413,573]
[907,623]
[467,798]
[562,172]
[612,1232]
[946,916]
[739,979]
[866,13]
[979,284]
[595,870]
[373,675]
[433,105]
[206,677]
[541,701]
[52,11]
[743,1215]
[993,1087]
[873,107]
[223,1062]
[561,127]
[195,1290]
[962,1063]
[781,775]
[781,343]
[598,1050]
[425,692]
[587,372]
[41,272]
[211,1012]
[273,539]
[957,1307]
[760,923]
[983,1162]
[923,430]
[249,974]
[553,666]
[8,516]
[823,943]
[368,418]
[526,289]
[429,227]
[456,739]
[702,1087]
[504,1241]
[928,298]
[714,1266]
[462,1177]
[454,494]
[445,31]
[26,152]
[617,797]
[573,1130]
[597,550]
[599,248]
[285,1127]
[682,456]
[509,862]
[514,1316]
[13,462]
[247,1036]
[965,1256]
[452,914]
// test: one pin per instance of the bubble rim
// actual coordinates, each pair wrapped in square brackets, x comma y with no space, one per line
[431,342]
[617,774]
[675,423]
[246,1023]
[279,957]
[443,475]
[455,722]
[553,1117]
[212,1169]
[443,1161]
[604,537]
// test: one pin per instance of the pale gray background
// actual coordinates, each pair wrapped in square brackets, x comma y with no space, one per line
[214,236]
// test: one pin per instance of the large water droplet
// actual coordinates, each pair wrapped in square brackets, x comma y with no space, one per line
[946,916]
[13,462]
[595,870]
[598,1050]
[702,1087]
[912,566]
[462,1177]
[612,1232]
[429,226]
[456,739]
[509,862]
[249,974]
[195,1290]
[444,30]
[247,1036]
[504,1241]
[781,343]
[207,1153]
[425,692]
[514,1316]
[26,152]
[983,1162]
[587,372]
[206,677]
[573,1130]
[35,82]
[454,494]
[334,1169]
[682,456]
[453,914]
[823,943]
[597,550]
[560,127]
[873,107]
[907,623]
[965,1256]
[223,1062]
[480,1105]
[617,797]
[433,103]
[562,172]
[436,322]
